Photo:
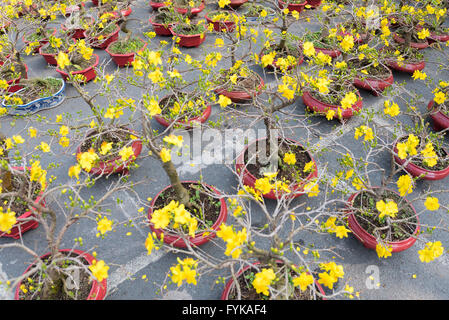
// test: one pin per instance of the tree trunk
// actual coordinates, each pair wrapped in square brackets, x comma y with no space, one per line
[181,192]
[5,174]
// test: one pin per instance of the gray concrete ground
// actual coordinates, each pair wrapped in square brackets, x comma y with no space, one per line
[127,256]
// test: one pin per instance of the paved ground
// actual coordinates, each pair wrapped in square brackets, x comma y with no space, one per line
[127,255]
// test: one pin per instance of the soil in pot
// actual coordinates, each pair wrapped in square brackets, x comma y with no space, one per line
[379,71]
[288,173]
[289,49]
[32,287]
[39,88]
[337,92]
[367,216]
[181,107]
[319,41]
[248,292]
[410,55]
[189,29]
[80,64]
[253,10]
[9,75]
[250,83]
[442,161]
[165,17]
[124,47]
[205,208]
[119,137]
[39,35]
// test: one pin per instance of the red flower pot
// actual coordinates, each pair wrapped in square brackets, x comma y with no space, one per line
[250,180]
[438,38]
[189,40]
[95,2]
[334,53]
[115,165]
[221,26]
[49,57]
[75,8]
[98,290]
[229,284]
[370,241]
[236,3]
[13,87]
[405,66]
[25,221]
[417,171]
[241,96]
[376,86]
[417,45]
[322,107]
[41,42]
[440,120]
[89,73]
[123,60]
[314,3]
[157,5]
[77,33]
[105,41]
[124,13]
[292,6]
[193,11]
[198,239]
[190,123]
[161,29]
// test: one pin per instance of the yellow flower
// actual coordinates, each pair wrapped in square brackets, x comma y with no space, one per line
[63,60]
[44,147]
[440,97]
[165,155]
[391,109]
[330,114]
[224,101]
[262,280]
[383,251]
[99,270]
[126,153]
[347,43]
[64,130]
[7,220]
[154,57]
[74,171]
[289,158]
[309,49]
[364,130]
[175,140]
[87,159]
[268,59]
[417,74]
[431,251]
[349,100]
[64,142]
[405,185]
[327,280]
[149,243]
[263,185]
[105,147]
[32,132]
[303,281]
[387,209]
[153,107]
[104,225]
[424,33]
[432,204]
[18,139]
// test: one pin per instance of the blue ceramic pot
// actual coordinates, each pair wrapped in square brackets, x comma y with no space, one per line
[36,105]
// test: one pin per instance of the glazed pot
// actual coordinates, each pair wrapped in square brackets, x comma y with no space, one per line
[186,124]
[229,285]
[13,84]
[416,45]
[105,41]
[98,290]
[334,53]
[25,221]
[77,33]
[198,239]
[376,86]
[250,180]
[161,29]
[221,26]
[236,3]
[321,107]
[115,165]
[41,42]
[193,11]
[314,3]
[157,5]
[89,72]
[238,96]
[123,60]
[189,40]
[370,241]
[409,67]
[292,6]
[440,120]
[38,104]
[123,12]
[417,171]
